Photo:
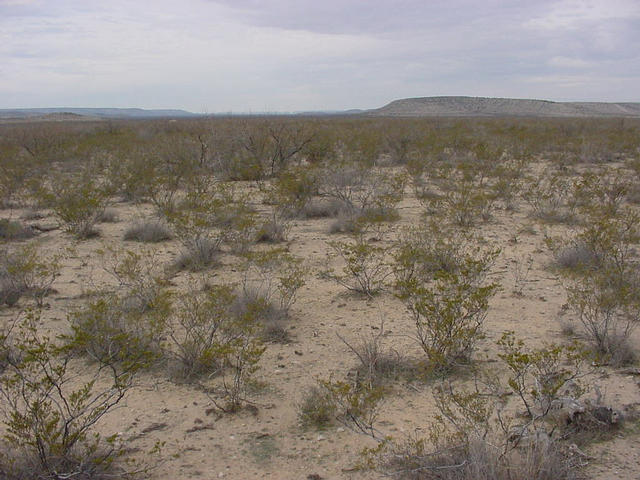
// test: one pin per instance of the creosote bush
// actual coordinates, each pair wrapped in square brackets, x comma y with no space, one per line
[608,309]
[125,323]
[363,196]
[204,220]
[78,201]
[541,378]
[198,341]
[112,329]
[448,316]
[366,265]
[50,412]
[270,283]
[317,409]
[424,251]
[24,271]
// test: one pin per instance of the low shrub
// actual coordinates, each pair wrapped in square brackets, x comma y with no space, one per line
[274,230]
[50,412]
[113,330]
[608,309]
[321,208]
[271,280]
[108,215]
[77,201]
[449,315]
[198,336]
[13,230]
[25,271]
[316,410]
[478,460]
[366,266]
[151,231]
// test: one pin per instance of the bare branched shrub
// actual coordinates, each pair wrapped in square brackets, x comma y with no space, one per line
[463,445]
[521,270]
[322,208]
[477,460]
[376,363]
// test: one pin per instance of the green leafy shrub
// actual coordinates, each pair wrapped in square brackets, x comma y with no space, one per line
[293,189]
[357,405]
[25,271]
[240,354]
[449,315]
[317,409]
[550,198]
[199,336]
[543,376]
[77,201]
[424,251]
[111,329]
[366,266]
[271,280]
[608,309]
[125,323]
[50,413]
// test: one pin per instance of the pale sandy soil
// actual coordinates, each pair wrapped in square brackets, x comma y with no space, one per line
[269,442]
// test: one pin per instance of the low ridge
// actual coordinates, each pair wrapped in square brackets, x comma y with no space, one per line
[499,107]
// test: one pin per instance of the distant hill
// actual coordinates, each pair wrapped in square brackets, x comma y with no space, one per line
[502,107]
[92,113]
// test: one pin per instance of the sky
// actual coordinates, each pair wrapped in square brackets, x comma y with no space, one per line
[240,56]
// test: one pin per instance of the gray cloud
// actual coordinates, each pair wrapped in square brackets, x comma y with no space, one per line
[288,55]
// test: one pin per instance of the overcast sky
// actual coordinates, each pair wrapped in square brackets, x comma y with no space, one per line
[291,55]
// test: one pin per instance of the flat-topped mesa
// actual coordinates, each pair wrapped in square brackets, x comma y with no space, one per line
[503,107]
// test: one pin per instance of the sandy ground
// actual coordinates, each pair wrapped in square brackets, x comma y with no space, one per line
[269,442]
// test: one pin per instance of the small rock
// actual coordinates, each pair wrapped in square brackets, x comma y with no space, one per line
[297,352]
